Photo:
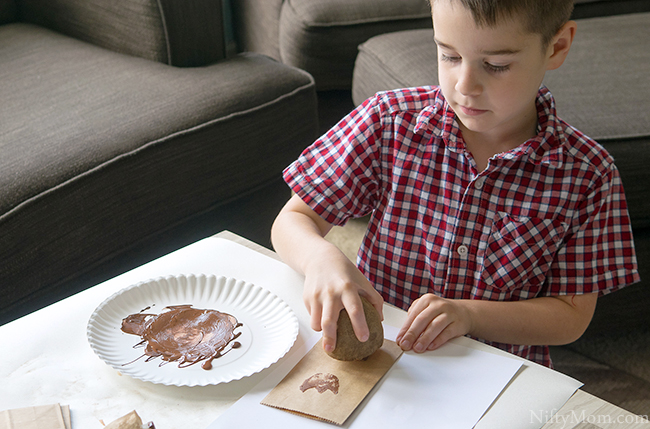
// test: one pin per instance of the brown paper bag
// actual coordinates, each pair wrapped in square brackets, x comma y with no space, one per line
[327,389]
[129,421]
[52,416]
[65,410]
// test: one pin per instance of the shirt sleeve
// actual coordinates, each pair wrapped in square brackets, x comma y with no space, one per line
[598,253]
[339,175]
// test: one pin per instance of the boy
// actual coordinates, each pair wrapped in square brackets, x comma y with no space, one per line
[491,217]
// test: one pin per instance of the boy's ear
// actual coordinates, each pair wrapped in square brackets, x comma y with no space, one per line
[560,45]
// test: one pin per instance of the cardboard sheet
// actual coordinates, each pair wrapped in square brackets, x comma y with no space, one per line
[327,389]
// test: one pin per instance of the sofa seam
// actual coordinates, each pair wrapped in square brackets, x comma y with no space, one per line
[18,207]
[163,21]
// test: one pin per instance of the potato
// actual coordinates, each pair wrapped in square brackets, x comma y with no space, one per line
[348,347]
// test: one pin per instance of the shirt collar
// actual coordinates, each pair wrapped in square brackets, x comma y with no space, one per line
[549,144]
[545,148]
[441,119]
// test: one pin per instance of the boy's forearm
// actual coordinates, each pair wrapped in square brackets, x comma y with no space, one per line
[297,237]
[538,321]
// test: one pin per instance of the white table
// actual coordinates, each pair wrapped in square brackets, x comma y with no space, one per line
[45,357]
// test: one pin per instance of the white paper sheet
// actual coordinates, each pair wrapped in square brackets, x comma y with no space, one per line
[451,387]
[535,394]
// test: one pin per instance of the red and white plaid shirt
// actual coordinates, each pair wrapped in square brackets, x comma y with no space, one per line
[546,218]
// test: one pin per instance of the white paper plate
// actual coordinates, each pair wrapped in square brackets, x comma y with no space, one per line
[269,328]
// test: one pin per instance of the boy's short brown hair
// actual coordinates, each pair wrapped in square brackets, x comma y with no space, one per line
[544,17]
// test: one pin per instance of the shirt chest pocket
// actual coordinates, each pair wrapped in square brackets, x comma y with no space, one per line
[520,251]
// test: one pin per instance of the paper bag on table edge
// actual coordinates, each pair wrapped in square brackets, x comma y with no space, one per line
[54,416]
[355,380]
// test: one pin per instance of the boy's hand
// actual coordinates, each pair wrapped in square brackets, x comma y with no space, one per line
[431,322]
[332,281]
[330,286]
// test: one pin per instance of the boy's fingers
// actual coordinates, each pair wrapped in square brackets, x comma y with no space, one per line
[315,311]
[354,307]
[431,333]
[402,332]
[446,335]
[403,340]
[418,321]
[329,319]
[316,321]
[377,301]
[411,333]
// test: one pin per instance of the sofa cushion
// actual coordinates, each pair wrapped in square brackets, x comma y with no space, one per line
[395,60]
[602,89]
[322,37]
[603,84]
[107,150]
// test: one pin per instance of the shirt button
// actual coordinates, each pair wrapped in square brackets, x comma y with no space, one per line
[479,182]
[462,250]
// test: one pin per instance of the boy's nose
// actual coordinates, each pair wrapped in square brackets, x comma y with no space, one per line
[468,83]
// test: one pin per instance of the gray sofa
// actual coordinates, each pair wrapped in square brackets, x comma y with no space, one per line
[126,131]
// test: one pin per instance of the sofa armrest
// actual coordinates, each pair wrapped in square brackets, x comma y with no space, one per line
[183,33]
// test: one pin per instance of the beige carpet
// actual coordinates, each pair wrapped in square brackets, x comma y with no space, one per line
[348,238]
[615,369]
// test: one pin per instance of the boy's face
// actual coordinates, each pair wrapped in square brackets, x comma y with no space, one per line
[489,75]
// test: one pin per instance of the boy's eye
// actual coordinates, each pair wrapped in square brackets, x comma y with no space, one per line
[449,58]
[493,68]
[497,69]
